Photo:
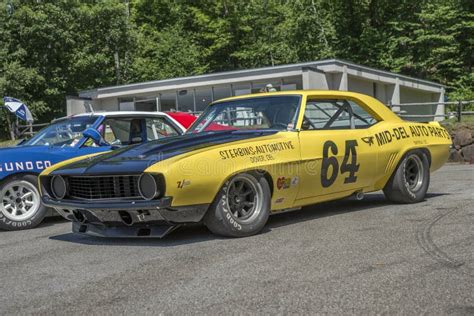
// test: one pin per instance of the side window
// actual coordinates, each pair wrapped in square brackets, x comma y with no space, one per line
[362,119]
[157,128]
[335,114]
[122,131]
[116,131]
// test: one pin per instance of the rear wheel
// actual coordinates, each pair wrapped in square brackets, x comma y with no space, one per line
[20,203]
[241,207]
[411,180]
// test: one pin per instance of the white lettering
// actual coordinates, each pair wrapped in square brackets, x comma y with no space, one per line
[19,166]
[27,165]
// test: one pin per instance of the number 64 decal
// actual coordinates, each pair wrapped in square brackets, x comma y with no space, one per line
[352,167]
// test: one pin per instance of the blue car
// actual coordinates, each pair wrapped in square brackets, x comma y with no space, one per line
[66,138]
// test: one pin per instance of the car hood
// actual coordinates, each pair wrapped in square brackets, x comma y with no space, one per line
[135,159]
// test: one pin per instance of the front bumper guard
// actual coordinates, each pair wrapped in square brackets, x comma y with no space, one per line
[126,218]
[107,205]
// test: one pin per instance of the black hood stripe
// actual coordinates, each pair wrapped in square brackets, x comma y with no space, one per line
[135,159]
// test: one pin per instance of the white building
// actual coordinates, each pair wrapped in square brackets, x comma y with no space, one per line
[196,92]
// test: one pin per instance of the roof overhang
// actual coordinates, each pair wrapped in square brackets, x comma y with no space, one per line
[265,73]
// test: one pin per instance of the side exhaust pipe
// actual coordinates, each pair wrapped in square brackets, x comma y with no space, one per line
[359,196]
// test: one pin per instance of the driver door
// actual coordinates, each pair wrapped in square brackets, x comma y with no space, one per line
[335,150]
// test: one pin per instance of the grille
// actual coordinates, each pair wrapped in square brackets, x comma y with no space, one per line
[110,187]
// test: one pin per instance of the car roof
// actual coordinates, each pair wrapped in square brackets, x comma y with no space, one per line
[329,93]
[121,113]
[126,114]
[374,105]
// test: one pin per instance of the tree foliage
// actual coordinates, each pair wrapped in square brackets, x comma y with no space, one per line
[54,48]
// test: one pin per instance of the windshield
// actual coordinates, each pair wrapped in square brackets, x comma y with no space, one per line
[275,112]
[66,132]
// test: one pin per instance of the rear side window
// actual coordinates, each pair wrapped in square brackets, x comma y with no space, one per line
[335,114]
[122,131]
[158,127]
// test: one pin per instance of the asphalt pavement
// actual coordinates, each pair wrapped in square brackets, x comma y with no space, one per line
[350,257]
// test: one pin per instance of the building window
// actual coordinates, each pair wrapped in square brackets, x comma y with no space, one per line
[126,104]
[203,98]
[241,88]
[262,85]
[186,100]
[147,105]
[168,101]
[221,92]
[292,83]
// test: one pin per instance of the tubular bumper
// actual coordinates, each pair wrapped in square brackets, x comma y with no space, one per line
[113,205]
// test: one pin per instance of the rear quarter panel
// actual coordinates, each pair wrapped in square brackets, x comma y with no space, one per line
[394,139]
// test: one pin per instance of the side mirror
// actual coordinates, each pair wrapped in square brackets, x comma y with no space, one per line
[94,134]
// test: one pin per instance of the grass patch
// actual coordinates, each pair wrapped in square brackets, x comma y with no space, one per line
[7,143]
[467,122]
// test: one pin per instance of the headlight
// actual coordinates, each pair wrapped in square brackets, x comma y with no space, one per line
[58,187]
[148,187]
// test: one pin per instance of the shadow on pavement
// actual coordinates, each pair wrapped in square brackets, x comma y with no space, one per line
[197,233]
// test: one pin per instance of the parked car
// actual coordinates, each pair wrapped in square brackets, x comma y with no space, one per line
[186,119]
[63,139]
[248,157]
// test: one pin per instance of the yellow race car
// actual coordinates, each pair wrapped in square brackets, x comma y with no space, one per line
[246,158]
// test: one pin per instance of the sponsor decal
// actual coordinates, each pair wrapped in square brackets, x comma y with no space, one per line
[386,137]
[256,150]
[421,130]
[286,183]
[368,140]
[283,183]
[279,201]
[398,133]
[24,166]
[183,183]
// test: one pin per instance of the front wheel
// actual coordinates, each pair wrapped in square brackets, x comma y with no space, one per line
[241,208]
[20,203]
[410,181]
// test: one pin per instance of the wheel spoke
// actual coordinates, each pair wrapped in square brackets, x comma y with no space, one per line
[27,194]
[29,202]
[246,193]
[241,186]
[243,212]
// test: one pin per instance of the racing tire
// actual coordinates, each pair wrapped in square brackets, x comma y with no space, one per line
[20,203]
[409,183]
[241,207]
